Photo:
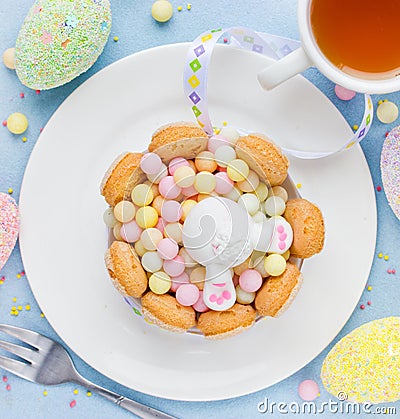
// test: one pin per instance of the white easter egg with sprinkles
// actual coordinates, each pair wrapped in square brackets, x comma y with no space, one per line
[59,40]
[9,227]
[363,367]
[390,169]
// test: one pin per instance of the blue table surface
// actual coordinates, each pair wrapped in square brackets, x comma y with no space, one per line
[136,30]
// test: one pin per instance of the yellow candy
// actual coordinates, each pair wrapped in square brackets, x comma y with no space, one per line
[387,112]
[250,184]
[174,232]
[142,195]
[162,10]
[9,58]
[17,123]
[275,264]
[238,170]
[124,211]
[184,176]
[205,162]
[160,282]
[146,217]
[157,203]
[186,207]
[153,187]
[139,248]
[150,238]
[117,230]
[244,297]
[204,182]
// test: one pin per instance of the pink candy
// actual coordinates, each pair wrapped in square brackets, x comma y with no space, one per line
[179,280]
[151,163]
[167,248]
[190,191]
[250,280]
[187,294]
[223,183]
[343,93]
[217,141]
[200,305]
[168,188]
[308,390]
[161,225]
[130,232]
[176,163]
[174,267]
[171,211]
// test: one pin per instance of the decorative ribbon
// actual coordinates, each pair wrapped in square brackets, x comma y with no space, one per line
[272,46]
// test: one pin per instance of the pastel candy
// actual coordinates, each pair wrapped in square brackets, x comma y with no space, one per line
[9,227]
[59,40]
[364,365]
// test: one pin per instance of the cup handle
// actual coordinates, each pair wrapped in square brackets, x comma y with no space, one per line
[284,69]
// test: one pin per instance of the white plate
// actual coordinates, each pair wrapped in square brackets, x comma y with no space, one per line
[63,238]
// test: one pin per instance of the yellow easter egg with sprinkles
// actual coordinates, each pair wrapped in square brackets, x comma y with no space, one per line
[365,365]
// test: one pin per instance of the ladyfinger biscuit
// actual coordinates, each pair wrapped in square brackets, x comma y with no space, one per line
[264,157]
[277,292]
[308,227]
[167,313]
[222,324]
[182,139]
[125,270]
[121,177]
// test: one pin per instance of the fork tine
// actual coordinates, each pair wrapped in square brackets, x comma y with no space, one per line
[22,352]
[16,367]
[27,336]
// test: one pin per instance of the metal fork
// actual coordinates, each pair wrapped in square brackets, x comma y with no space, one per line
[49,363]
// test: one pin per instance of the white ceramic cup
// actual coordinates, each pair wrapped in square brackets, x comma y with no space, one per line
[309,55]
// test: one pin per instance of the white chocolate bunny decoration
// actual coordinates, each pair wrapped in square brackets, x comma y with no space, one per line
[219,234]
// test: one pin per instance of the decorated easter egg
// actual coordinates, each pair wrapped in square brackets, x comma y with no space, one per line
[363,367]
[59,40]
[9,226]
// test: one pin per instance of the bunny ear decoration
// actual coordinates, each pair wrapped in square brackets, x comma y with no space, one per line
[9,227]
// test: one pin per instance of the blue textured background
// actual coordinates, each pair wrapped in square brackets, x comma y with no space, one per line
[133,24]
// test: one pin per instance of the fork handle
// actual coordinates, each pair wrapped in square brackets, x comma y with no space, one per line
[139,409]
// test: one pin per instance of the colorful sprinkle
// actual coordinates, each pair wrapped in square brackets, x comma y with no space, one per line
[386,257]
[369,288]
[8,387]
[380,255]
[72,404]
[21,95]
[355,127]
[378,188]
[88,393]
[116,39]
[45,393]
[180,8]
[189,6]
[299,185]
[76,391]
[362,306]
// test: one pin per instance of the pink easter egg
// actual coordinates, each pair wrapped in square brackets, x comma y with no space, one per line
[9,227]
[223,183]
[200,305]
[174,267]
[167,248]
[179,280]
[217,141]
[171,211]
[308,390]
[168,188]
[187,294]
[250,280]
[151,163]
[176,163]
[130,232]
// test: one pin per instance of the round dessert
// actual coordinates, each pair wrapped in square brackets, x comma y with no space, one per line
[207,234]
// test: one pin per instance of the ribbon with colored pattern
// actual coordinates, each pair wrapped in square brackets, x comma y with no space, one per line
[272,46]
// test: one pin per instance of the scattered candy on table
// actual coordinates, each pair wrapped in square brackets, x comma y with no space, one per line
[9,58]
[343,93]
[17,123]
[308,390]
[387,112]
[162,10]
